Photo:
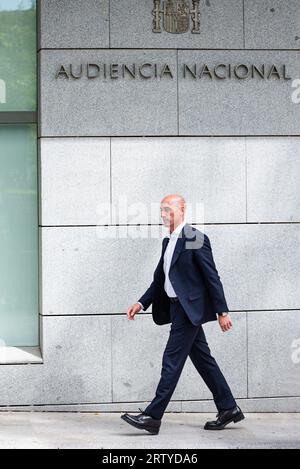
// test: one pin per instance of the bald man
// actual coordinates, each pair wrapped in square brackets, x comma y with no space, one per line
[187,292]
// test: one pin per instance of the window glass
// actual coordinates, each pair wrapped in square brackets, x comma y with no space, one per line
[17,55]
[18,235]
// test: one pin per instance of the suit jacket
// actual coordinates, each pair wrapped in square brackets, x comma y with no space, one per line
[194,277]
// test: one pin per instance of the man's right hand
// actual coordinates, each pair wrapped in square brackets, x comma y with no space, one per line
[132,310]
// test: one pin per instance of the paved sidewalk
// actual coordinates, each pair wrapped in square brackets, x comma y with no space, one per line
[178,430]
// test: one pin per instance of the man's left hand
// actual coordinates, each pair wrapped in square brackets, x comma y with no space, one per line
[225,322]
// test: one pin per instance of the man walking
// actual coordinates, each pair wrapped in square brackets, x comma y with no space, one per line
[187,291]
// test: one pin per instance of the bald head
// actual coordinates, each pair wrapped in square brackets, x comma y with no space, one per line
[174,199]
[172,209]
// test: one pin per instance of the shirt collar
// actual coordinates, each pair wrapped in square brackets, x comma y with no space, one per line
[177,230]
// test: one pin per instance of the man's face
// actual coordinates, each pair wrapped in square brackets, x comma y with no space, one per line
[170,214]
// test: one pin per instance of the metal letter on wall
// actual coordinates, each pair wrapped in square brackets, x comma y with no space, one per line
[176,16]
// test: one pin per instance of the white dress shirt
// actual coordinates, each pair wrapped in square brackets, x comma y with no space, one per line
[168,258]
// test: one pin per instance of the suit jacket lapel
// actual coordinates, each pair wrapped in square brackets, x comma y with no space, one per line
[179,246]
[164,247]
[164,244]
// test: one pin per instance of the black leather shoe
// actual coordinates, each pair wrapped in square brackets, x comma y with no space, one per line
[224,418]
[143,422]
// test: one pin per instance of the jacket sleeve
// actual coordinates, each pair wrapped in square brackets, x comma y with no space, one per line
[147,298]
[205,261]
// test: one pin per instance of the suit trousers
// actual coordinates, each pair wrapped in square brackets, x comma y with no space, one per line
[186,339]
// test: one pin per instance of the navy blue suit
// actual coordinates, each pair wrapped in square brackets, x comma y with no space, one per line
[194,278]
[196,282]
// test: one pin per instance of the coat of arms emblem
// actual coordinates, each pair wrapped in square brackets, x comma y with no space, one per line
[176,16]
